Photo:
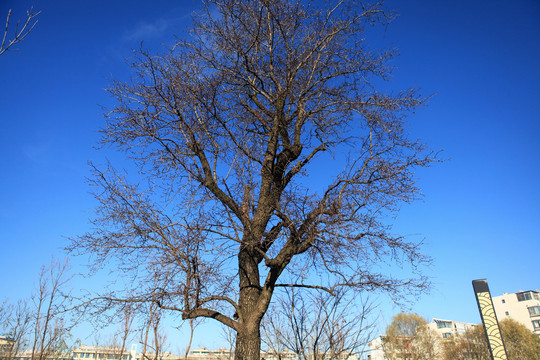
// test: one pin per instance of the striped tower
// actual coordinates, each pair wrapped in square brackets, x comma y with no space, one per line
[489,319]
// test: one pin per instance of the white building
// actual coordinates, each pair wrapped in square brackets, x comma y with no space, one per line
[449,328]
[203,353]
[523,306]
[104,352]
[281,355]
[376,351]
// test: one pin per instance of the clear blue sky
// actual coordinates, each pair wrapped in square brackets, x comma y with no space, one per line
[480,215]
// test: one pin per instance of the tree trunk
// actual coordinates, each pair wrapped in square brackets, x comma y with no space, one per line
[248,343]
[251,311]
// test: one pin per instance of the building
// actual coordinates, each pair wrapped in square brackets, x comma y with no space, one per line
[523,306]
[449,328]
[103,352]
[6,347]
[27,355]
[376,351]
[203,353]
[278,355]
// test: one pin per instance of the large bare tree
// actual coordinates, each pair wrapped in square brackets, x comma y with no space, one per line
[261,147]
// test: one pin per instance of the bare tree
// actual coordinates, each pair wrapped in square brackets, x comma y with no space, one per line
[124,332]
[51,325]
[263,149]
[20,31]
[193,323]
[153,338]
[229,335]
[15,322]
[43,325]
[318,327]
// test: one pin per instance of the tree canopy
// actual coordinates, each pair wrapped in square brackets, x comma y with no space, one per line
[266,158]
[409,337]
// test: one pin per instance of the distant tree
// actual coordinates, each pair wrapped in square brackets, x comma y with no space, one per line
[20,32]
[120,339]
[153,338]
[317,326]
[520,343]
[15,322]
[263,148]
[51,324]
[409,337]
[42,324]
[470,345]
[193,323]
[228,334]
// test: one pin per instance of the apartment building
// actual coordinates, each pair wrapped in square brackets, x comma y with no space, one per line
[27,355]
[104,352]
[449,328]
[203,353]
[101,353]
[523,306]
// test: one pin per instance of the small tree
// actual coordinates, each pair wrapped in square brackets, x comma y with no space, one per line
[153,338]
[15,322]
[41,325]
[409,337]
[20,31]
[120,339]
[520,343]
[317,326]
[51,325]
[470,345]
[225,130]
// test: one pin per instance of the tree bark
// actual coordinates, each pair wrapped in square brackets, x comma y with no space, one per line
[248,342]
[251,310]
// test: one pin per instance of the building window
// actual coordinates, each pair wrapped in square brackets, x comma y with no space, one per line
[536,296]
[534,310]
[446,335]
[524,296]
[536,324]
[504,301]
[443,324]
[507,313]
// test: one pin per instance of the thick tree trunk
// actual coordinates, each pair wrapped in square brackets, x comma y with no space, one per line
[248,343]
[251,310]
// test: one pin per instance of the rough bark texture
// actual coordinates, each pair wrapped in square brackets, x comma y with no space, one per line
[248,341]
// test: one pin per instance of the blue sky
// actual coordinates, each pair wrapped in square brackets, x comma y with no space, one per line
[479,59]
